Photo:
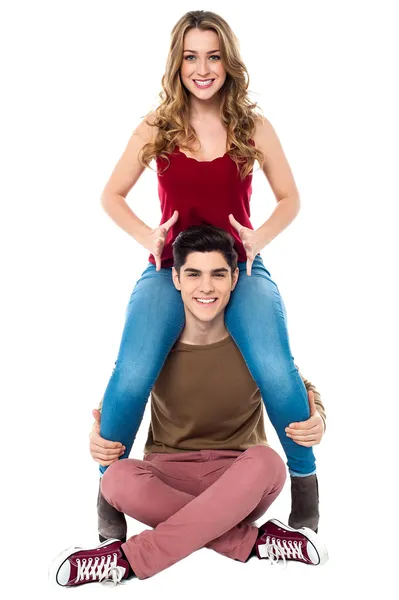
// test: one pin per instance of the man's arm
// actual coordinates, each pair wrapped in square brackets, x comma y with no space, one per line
[103,451]
[309,432]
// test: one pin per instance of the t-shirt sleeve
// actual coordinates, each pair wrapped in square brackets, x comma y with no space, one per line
[317,398]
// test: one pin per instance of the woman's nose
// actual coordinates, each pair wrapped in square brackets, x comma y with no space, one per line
[202,68]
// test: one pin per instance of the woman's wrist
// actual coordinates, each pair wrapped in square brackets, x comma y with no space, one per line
[284,213]
[140,233]
[265,235]
[116,207]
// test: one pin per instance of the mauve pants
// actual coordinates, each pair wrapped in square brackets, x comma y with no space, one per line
[193,499]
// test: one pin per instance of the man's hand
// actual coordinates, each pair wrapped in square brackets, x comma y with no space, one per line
[103,451]
[310,432]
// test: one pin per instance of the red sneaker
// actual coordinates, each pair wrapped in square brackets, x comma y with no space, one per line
[75,565]
[280,541]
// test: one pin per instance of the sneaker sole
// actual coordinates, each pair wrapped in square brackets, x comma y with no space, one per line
[64,555]
[311,536]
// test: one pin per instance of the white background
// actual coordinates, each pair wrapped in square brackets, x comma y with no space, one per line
[77,79]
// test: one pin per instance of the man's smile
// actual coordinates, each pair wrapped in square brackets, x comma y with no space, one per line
[205,301]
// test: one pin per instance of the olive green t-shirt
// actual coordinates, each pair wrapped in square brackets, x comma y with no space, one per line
[205,398]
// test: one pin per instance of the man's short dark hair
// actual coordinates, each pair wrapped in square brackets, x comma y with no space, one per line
[204,238]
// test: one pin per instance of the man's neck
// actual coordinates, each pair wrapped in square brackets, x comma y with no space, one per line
[200,333]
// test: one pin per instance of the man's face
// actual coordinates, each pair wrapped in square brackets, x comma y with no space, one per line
[205,282]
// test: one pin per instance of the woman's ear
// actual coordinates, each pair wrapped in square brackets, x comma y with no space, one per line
[235,277]
[175,277]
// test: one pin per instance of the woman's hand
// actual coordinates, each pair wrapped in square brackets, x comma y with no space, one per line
[103,451]
[154,240]
[307,433]
[250,240]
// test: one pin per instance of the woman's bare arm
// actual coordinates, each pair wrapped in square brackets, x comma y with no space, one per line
[281,180]
[124,176]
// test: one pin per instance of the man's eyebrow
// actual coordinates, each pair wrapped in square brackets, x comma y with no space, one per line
[195,52]
[219,270]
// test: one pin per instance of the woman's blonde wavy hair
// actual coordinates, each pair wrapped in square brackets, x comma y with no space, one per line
[236,110]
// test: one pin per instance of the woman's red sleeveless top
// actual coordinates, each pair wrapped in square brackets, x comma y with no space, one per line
[204,192]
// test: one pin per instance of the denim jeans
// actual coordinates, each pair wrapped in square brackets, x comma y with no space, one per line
[255,318]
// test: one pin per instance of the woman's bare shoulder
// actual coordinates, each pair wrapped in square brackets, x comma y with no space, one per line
[264,132]
[129,168]
[146,129]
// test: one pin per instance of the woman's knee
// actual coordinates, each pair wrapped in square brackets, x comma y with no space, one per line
[132,379]
[278,380]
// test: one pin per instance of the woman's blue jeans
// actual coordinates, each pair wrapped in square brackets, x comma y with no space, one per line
[255,318]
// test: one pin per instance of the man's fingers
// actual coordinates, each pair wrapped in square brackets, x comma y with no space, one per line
[96,414]
[309,437]
[302,425]
[95,430]
[106,454]
[313,421]
[108,451]
[101,456]
[97,440]
[310,429]
[312,404]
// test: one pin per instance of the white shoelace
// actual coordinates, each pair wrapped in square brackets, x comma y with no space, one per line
[104,569]
[275,548]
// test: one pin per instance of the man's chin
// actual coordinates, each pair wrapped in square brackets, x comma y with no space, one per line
[205,318]
[206,315]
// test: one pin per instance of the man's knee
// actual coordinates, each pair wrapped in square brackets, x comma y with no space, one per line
[269,462]
[114,479]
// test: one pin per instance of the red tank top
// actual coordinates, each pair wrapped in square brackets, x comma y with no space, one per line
[204,192]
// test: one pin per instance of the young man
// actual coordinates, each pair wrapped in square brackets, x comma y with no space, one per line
[208,472]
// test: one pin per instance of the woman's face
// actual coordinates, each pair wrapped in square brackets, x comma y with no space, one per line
[202,63]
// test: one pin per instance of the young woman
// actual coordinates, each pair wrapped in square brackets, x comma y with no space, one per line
[205,136]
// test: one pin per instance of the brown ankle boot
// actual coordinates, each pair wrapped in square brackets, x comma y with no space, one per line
[111,522]
[304,502]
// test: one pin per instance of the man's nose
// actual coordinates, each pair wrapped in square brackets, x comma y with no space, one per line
[207,284]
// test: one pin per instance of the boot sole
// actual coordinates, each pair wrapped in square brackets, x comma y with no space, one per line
[64,555]
[311,536]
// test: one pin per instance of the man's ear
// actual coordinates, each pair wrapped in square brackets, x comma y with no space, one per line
[234,278]
[175,277]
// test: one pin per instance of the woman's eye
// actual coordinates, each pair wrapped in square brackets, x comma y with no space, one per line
[192,56]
